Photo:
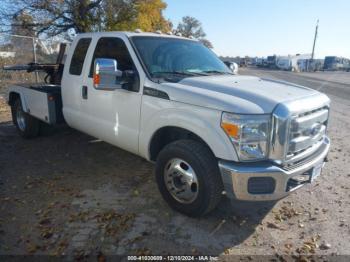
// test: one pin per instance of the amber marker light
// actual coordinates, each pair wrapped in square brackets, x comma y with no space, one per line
[231,129]
[96,79]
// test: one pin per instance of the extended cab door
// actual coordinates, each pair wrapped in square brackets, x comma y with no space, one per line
[112,115]
[73,78]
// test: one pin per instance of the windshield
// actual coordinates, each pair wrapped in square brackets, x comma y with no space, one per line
[172,59]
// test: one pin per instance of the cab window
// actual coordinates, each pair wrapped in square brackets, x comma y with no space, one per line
[78,58]
[115,48]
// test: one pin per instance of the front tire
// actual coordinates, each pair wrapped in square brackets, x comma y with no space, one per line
[27,126]
[188,177]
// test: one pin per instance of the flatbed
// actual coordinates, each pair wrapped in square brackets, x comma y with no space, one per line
[42,101]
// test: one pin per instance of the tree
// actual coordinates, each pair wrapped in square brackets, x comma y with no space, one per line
[191,26]
[22,22]
[206,42]
[130,15]
[149,15]
[52,17]
[118,15]
[57,17]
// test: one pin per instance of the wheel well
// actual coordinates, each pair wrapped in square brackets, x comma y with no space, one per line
[167,135]
[13,97]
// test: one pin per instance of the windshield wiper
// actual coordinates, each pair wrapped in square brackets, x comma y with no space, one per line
[216,72]
[184,73]
[173,73]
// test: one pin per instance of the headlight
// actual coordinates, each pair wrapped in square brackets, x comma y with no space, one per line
[249,134]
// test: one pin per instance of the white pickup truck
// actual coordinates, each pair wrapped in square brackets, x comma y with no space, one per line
[171,101]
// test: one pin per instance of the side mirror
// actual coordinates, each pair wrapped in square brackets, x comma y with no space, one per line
[106,74]
[232,66]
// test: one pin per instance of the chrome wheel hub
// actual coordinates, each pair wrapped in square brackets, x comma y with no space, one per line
[20,119]
[181,181]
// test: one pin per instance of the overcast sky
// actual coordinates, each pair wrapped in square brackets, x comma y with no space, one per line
[266,27]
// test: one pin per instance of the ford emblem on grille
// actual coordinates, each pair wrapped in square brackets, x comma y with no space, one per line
[313,130]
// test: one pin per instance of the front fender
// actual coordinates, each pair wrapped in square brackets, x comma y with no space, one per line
[203,122]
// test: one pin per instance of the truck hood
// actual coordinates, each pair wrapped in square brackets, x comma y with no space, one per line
[234,93]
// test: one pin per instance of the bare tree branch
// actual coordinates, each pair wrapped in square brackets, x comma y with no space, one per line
[55,17]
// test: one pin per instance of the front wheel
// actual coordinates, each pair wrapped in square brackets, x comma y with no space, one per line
[188,177]
[27,126]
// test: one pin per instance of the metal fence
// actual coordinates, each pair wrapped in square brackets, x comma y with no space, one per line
[17,49]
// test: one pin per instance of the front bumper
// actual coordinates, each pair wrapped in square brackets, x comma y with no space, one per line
[247,181]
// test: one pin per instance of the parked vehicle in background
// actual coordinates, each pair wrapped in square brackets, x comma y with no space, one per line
[296,63]
[310,65]
[261,62]
[271,61]
[287,63]
[334,63]
[173,102]
[243,62]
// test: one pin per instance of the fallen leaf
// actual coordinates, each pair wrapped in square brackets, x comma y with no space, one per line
[274,226]
[143,252]
[32,248]
[45,221]
[289,246]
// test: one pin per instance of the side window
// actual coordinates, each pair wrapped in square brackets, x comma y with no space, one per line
[113,48]
[78,58]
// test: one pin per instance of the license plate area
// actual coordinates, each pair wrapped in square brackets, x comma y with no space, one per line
[316,172]
[305,178]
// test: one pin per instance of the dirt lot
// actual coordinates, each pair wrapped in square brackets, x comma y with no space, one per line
[69,194]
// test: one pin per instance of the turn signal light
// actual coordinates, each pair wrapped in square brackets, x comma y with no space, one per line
[231,129]
[96,79]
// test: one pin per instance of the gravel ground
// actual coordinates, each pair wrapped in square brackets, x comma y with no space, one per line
[69,194]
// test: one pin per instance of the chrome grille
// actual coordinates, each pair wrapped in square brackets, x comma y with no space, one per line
[307,130]
[302,162]
[298,128]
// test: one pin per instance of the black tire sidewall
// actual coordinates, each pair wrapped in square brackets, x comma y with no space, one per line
[17,106]
[31,124]
[199,206]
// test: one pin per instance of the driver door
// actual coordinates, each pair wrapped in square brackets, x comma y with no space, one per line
[112,115]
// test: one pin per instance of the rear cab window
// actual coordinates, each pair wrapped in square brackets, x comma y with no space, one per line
[78,58]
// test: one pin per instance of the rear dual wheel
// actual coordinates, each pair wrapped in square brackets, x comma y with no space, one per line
[27,126]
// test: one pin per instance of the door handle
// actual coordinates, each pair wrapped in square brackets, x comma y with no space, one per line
[84,92]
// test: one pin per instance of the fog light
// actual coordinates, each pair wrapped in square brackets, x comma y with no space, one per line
[261,185]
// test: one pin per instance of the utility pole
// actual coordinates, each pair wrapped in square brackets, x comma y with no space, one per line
[313,47]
